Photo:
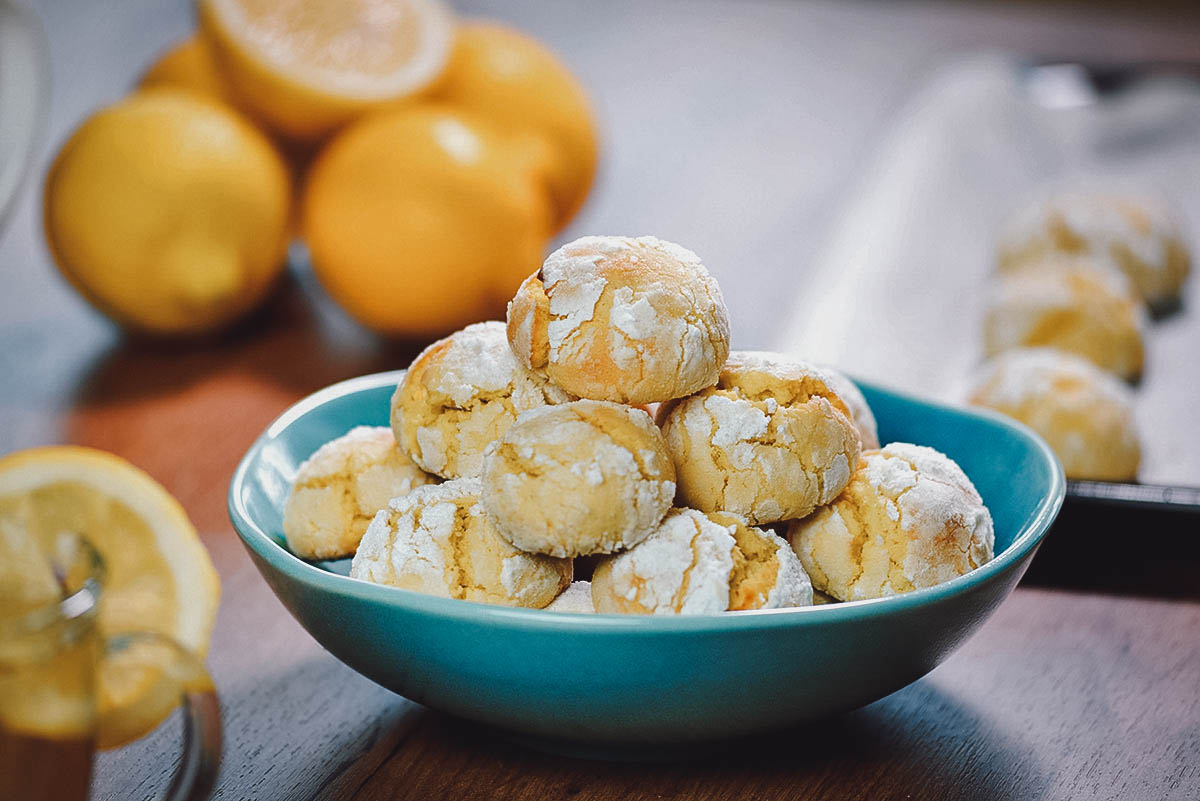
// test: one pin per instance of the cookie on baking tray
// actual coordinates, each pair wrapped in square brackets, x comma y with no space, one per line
[1136,235]
[1085,414]
[1072,304]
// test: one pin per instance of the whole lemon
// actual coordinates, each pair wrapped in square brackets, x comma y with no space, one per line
[422,219]
[514,81]
[169,213]
[190,67]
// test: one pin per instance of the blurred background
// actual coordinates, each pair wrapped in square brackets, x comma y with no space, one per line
[762,135]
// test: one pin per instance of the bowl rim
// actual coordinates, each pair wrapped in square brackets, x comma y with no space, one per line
[263,545]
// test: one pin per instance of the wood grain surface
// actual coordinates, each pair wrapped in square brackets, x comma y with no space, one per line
[732,131]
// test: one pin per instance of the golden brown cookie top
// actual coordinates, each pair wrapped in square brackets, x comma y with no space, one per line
[630,320]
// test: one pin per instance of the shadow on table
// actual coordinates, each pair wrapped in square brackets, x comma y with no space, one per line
[917,743]
[298,341]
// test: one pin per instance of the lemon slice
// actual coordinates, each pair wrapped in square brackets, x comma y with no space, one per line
[157,575]
[307,66]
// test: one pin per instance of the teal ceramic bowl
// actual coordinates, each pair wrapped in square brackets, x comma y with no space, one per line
[589,683]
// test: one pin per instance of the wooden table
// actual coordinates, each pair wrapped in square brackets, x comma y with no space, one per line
[731,133]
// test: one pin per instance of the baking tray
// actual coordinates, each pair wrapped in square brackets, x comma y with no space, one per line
[897,291]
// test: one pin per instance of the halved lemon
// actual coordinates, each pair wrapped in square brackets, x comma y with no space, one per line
[305,67]
[157,575]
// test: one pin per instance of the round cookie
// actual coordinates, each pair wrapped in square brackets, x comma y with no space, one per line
[437,540]
[459,395]
[699,564]
[860,413]
[629,320]
[1134,235]
[910,518]
[576,598]
[579,478]
[1070,304]
[1085,414]
[340,488]
[771,441]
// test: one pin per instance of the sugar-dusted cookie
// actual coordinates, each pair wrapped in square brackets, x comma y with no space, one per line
[630,320]
[437,540]
[1136,235]
[910,518]
[459,395]
[340,488]
[695,564]
[1072,304]
[578,478]
[771,441]
[1085,414]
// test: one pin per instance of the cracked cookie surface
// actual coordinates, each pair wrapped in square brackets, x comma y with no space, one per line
[1071,304]
[437,540]
[910,518]
[860,413]
[460,394]
[696,563]
[339,489]
[623,319]
[1085,414]
[771,441]
[578,478]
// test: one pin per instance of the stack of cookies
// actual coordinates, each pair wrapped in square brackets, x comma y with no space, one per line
[607,428]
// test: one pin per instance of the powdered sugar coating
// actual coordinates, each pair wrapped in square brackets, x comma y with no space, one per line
[630,320]
[437,541]
[695,564]
[462,393]
[860,412]
[910,518]
[578,478]
[771,441]
[339,489]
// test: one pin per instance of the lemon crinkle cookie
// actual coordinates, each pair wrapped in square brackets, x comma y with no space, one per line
[1071,304]
[340,488]
[630,320]
[698,563]
[459,395]
[909,519]
[771,441]
[437,540]
[1134,234]
[1085,414]
[578,478]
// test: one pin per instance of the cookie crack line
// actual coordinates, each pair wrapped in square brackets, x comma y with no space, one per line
[685,583]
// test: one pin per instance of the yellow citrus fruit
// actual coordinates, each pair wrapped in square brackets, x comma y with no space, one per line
[157,575]
[169,213]
[422,219]
[306,67]
[190,67]
[513,80]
